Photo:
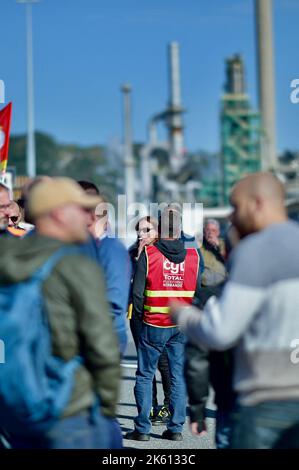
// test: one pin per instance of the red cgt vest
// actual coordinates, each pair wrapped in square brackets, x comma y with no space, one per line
[168,281]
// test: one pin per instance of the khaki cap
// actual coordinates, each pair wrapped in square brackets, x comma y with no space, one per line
[58,192]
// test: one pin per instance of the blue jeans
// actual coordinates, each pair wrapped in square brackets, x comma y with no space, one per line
[163,367]
[86,430]
[152,342]
[123,342]
[264,425]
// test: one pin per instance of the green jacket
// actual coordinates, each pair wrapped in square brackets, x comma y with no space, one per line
[78,313]
[215,271]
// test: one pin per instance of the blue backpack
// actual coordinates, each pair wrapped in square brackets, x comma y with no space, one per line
[35,386]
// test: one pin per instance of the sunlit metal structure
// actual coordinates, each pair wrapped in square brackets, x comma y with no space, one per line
[266,82]
[240,129]
[129,165]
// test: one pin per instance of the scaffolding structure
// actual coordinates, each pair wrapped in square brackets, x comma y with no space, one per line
[240,129]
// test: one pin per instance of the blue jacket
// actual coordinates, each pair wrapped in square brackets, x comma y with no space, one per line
[114,260]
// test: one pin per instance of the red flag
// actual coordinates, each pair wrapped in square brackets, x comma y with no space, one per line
[5,120]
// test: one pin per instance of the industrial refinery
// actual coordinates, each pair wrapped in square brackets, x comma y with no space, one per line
[247,135]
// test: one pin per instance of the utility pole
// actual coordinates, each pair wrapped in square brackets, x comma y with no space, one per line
[174,121]
[263,16]
[30,157]
[128,146]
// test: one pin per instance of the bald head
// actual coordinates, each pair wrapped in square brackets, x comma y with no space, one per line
[263,185]
[258,201]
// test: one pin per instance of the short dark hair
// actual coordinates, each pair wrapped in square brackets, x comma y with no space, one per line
[88,185]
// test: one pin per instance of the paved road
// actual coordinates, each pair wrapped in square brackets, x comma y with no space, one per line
[127,412]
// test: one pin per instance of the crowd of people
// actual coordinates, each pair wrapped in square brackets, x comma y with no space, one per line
[222,313]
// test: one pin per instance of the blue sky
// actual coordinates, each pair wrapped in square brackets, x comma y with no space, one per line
[85,49]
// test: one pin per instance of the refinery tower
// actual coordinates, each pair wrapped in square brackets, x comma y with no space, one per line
[240,129]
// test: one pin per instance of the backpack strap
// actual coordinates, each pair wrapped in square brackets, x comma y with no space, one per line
[43,272]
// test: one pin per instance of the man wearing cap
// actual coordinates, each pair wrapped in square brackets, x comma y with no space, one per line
[78,312]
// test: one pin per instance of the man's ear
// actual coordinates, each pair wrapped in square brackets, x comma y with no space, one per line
[57,214]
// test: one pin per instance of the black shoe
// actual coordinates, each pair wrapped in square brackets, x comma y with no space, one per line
[162,417]
[172,436]
[137,436]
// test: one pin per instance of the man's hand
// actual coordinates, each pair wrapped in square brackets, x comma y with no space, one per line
[175,311]
[213,240]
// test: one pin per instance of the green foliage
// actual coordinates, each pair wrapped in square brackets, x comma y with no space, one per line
[54,159]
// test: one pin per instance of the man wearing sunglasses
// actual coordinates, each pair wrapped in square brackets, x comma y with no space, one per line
[14,220]
[15,215]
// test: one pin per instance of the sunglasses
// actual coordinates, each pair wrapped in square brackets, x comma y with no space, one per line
[145,230]
[14,218]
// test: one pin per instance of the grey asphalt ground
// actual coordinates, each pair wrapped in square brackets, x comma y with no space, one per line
[127,411]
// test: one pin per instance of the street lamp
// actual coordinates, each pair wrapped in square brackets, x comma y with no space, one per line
[128,145]
[31,158]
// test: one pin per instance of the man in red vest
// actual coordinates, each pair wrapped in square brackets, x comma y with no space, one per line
[166,271]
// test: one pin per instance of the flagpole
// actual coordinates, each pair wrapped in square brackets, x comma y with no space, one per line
[31,156]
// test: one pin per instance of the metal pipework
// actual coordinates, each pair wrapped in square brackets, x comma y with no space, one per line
[31,155]
[174,120]
[128,146]
[263,15]
[174,76]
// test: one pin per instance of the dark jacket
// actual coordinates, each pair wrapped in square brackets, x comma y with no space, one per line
[133,253]
[5,233]
[173,250]
[204,368]
[78,314]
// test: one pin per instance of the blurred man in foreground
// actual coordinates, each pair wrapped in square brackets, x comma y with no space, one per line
[77,312]
[257,314]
